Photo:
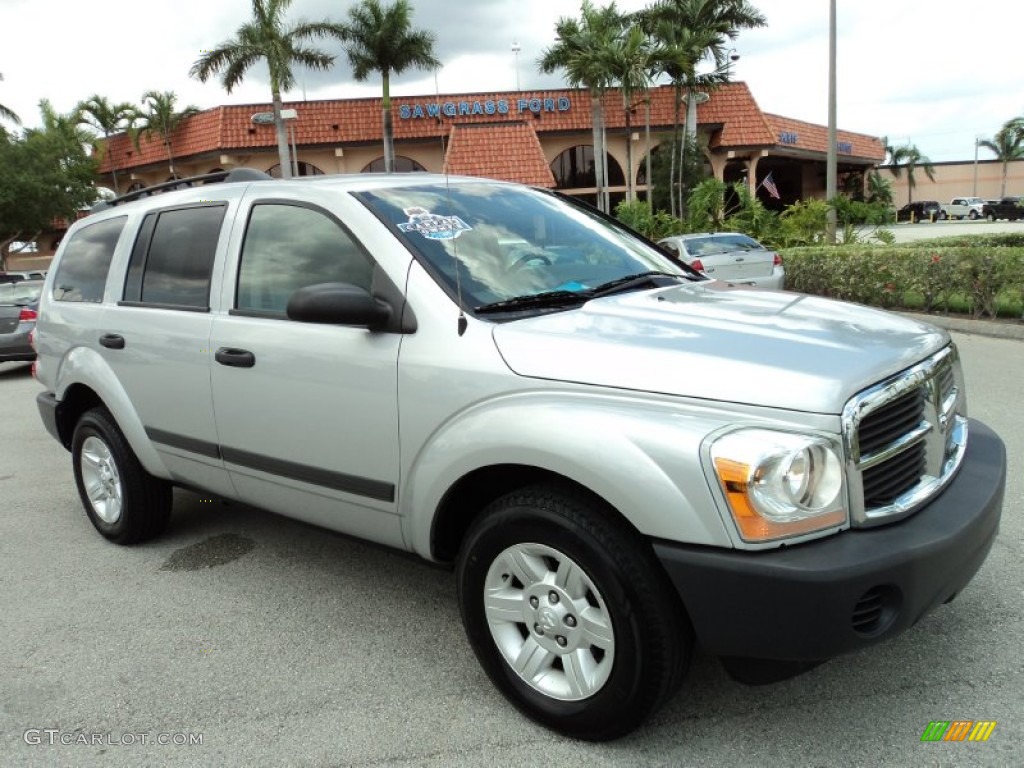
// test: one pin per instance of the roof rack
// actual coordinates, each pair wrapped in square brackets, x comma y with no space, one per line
[238,174]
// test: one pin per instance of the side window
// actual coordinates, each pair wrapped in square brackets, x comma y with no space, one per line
[288,247]
[83,267]
[174,270]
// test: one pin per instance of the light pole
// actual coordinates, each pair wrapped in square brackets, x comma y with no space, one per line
[516,48]
[977,140]
[830,158]
[734,56]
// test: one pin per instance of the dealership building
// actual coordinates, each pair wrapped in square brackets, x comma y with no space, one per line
[541,138]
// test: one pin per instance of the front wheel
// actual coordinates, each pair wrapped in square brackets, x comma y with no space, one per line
[972,215]
[124,502]
[570,614]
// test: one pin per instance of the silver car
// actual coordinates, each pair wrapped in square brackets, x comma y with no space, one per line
[729,256]
[619,458]
[18,305]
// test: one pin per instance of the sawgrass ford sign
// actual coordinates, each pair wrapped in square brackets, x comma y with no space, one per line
[489,107]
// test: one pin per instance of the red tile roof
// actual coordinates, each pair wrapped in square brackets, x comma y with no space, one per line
[508,151]
[731,111]
[809,136]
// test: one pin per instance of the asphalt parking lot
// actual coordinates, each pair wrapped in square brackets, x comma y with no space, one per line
[275,643]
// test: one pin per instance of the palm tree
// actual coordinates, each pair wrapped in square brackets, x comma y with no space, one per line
[630,62]
[691,31]
[676,55]
[161,118]
[909,157]
[381,39]
[67,129]
[582,51]
[266,37]
[108,118]
[1007,145]
[8,114]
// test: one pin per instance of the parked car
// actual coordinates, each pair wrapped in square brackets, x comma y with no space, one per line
[1008,208]
[963,208]
[619,457]
[729,256]
[17,276]
[920,210]
[19,303]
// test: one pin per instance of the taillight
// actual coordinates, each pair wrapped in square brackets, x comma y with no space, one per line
[27,315]
[697,264]
[777,261]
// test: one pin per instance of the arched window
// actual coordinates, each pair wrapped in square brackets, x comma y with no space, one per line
[574,169]
[403,164]
[305,169]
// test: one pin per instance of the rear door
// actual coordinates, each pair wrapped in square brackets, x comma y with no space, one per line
[156,338]
[307,414]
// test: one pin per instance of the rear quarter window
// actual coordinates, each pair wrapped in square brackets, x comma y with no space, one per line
[82,273]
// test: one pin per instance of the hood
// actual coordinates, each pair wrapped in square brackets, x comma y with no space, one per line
[714,341]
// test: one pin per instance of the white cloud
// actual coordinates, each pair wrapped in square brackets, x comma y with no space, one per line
[932,73]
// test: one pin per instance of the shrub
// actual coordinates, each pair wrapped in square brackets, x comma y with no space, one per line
[638,216]
[986,281]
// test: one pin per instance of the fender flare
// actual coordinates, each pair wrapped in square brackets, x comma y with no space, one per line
[86,367]
[643,461]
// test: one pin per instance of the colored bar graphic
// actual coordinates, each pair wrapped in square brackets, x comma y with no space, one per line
[958,730]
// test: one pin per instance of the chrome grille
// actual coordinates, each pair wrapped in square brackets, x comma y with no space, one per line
[905,438]
[891,421]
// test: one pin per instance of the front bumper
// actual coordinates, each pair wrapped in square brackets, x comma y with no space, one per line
[836,595]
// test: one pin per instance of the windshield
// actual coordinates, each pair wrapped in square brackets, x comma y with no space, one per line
[506,241]
[25,292]
[713,244]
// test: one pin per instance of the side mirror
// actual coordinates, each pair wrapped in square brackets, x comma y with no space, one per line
[338,304]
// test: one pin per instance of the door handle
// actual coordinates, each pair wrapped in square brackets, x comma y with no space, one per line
[112,341]
[235,358]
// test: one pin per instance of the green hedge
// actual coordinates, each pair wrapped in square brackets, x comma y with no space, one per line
[985,280]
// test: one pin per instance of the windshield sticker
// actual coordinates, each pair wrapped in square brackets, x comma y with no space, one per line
[432,226]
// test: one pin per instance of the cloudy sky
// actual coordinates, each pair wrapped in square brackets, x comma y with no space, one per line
[934,73]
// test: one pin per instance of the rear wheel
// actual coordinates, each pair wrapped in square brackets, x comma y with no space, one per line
[570,614]
[124,502]
[972,215]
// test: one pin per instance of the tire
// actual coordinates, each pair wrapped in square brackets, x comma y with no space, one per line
[973,215]
[552,583]
[124,502]
[991,217]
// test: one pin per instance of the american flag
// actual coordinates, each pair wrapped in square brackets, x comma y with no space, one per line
[770,186]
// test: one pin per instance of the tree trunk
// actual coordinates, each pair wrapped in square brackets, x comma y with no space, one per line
[673,192]
[389,128]
[647,152]
[597,117]
[629,149]
[283,153]
[113,170]
[170,157]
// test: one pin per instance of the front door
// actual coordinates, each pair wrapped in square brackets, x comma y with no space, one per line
[307,414]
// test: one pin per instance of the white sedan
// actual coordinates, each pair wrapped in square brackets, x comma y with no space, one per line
[731,257]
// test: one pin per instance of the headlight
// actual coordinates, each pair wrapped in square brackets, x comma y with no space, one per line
[779,484]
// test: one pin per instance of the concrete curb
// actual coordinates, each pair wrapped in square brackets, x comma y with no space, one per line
[997,329]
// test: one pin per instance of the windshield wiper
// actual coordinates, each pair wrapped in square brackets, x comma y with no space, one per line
[630,282]
[536,301]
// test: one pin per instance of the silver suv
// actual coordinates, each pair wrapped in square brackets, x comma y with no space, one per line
[618,457]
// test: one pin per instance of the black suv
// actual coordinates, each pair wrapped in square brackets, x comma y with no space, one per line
[920,210]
